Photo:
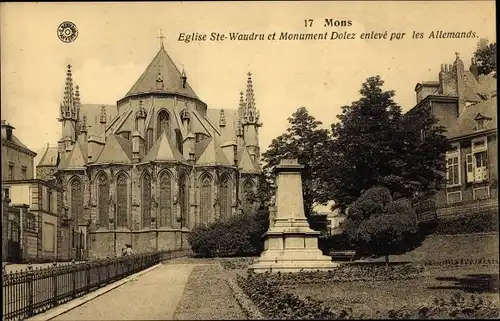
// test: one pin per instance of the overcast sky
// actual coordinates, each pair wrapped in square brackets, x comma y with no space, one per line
[117,41]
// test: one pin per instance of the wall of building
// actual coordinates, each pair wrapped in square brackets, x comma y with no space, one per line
[18,160]
[446,112]
[49,236]
[19,194]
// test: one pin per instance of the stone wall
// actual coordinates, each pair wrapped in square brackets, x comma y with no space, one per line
[470,207]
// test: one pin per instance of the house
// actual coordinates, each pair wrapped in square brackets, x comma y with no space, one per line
[33,227]
[465,103]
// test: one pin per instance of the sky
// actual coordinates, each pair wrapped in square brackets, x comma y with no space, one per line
[117,41]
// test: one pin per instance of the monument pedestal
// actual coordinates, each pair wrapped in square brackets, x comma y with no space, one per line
[290,245]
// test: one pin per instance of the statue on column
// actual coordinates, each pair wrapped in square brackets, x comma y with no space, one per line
[112,209]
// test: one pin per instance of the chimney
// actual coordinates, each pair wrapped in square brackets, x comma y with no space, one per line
[473,67]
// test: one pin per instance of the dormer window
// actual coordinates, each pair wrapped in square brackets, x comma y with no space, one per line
[481,121]
[159,81]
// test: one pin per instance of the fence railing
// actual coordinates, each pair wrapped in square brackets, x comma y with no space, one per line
[33,291]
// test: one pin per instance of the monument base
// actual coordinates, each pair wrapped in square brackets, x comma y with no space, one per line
[292,249]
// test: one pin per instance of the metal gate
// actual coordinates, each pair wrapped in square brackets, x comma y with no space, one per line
[14,254]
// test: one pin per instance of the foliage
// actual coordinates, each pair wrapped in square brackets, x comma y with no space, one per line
[240,235]
[377,226]
[457,307]
[374,144]
[275,302]
[336,242]
[486,57]
[305,141]
[349,273]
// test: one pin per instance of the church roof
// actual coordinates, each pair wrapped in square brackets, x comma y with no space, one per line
[49,157]
[246,164]
[116,150]
[164,66]
[93,113]
[77,158]
[229,134]
[213,154]
[163,150]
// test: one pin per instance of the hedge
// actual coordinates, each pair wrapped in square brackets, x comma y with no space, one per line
[485,221]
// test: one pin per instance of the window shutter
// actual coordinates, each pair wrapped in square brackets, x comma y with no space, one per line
[470,168]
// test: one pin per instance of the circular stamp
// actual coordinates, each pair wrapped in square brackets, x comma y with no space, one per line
[67,32]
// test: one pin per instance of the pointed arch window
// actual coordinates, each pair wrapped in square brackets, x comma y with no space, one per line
[77,200]
[103,199]
[146,200]
[205,199]
[248,190]
[149,139]
[163,123]
[183,200]
[121,201]
[225,197]
[166,217]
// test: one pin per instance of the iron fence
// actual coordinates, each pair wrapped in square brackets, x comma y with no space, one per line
[35,290]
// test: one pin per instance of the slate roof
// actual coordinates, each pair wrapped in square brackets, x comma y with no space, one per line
[77,158]
[116,150]
[172,81]
[14,139]
[229,134]
[246,164]
[466,125]
[93,112]
[163,150]
[213,154]
[477,89]
[49,157]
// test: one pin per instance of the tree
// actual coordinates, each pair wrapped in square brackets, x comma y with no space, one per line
[376,226]
[305,141]
[486,57]
[374,144]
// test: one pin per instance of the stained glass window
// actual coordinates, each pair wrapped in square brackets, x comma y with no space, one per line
[165,218]
[163,123]
[248,189]
[77,200]
[121,201]
[103,199]
[183,201]
[149,138]
[146,200]
[225,197]
[205,200]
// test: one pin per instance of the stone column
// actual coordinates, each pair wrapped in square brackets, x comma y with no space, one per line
[290,244]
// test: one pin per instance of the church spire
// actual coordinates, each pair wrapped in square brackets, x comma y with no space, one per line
[250,101]
[68,93]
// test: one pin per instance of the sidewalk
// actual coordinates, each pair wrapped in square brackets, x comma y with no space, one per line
[151,296]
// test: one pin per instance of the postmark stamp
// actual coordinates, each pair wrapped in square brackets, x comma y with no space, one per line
[67,32]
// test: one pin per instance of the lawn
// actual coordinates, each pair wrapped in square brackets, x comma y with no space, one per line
[439,282]
[207,296]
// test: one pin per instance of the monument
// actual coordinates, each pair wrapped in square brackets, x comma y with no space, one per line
[290,245]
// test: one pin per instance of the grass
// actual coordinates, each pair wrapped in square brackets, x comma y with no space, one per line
[452,247]
[368,297]
[207,296]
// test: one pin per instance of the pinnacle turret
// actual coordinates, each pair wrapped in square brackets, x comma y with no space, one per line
[141,112]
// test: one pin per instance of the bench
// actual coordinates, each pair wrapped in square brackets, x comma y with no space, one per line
[343,255]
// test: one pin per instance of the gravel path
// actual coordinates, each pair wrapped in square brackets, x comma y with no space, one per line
[207,296]
[152,296]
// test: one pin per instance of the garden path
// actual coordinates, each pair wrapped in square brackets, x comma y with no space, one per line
[151,296]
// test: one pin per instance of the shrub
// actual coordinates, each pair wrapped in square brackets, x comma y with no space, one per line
[238,236]
[349,273]
[377,226]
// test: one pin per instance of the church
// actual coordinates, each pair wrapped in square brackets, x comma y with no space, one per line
[147,170]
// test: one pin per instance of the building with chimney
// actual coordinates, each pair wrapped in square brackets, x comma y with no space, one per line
[146,171]
[465,103]
[32,219]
